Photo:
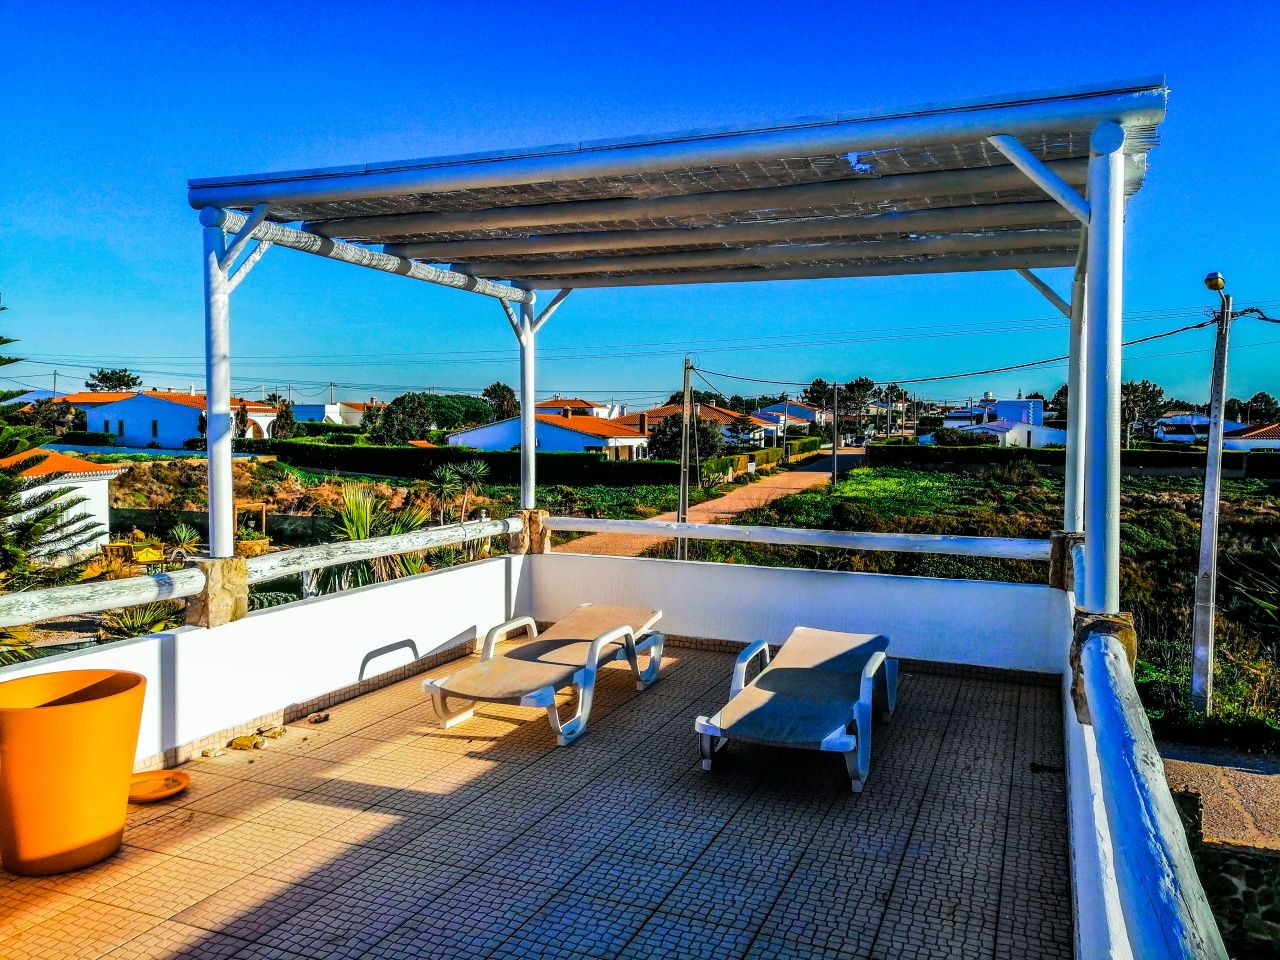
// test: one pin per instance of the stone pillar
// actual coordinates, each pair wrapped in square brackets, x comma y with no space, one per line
[226,592]
[1061,569]
[1118,625]
[534,537]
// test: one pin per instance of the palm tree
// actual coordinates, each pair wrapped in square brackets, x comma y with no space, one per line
[39,526]
[362,515]
[471,476]
[445,487]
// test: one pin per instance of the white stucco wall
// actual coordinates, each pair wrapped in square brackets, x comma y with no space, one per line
[96,506]
[201,681]
[1012,625]
[175,422]
[505,434]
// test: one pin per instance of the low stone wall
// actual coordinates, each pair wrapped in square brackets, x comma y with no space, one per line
[1242,883]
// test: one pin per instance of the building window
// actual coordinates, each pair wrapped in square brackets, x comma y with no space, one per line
[106,426]
[155,429]
[119,428]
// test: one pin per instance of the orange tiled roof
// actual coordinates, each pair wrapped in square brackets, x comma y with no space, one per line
[1267,431]
[706,411]
[591,426]
[425,444]
[55,462]
[96,398]
[567,403]
[361,406]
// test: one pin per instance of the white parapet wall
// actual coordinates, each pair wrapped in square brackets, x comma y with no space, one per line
[201,681]
[1009,625]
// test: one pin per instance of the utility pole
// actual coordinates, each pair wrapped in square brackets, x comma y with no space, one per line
[290,391]
[835,435]
[786,415]
[55,383]
[331,387]
[686,414]
[1202,625]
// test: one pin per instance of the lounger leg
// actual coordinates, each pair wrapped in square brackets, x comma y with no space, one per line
[450,718]
[570,730]
[710,745]
[858,760]
[650,672]
[890,688]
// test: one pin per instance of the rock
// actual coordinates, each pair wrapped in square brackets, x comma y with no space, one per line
[212,752]
[249,742]
[275,733]
[317,717]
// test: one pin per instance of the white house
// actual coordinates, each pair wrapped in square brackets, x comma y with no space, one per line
[352,412]
[794,411]
[560,434]
[1263,437]
[989,408]
[1184,427]
[168,419]
[1009,433]
[729,421]
[317,413]
[88,480]
[557,405]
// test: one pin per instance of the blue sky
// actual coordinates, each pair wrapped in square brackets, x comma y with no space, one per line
[108,109]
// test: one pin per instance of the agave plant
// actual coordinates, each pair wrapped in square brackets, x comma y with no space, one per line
[15,646]
[1258,582]
[184,537]
[362,515]
[140,620]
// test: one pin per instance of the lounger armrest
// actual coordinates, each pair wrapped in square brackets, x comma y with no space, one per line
[874,665]
[759,648]
[625,634]
[504,630]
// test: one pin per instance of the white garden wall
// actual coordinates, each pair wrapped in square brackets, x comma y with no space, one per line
[1010,625]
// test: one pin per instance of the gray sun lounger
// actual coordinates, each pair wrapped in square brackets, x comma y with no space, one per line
[818,693]
[567,654]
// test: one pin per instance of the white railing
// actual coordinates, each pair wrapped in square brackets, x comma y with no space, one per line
[1005,548]
[1165,909]
[31,606]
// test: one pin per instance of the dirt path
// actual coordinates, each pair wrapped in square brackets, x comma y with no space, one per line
[812,474]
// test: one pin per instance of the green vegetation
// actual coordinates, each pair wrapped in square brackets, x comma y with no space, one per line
[1160,530]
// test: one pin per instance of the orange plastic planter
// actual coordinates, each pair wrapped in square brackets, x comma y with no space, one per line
[67,743]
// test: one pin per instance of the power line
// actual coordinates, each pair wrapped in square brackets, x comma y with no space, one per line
[971,373]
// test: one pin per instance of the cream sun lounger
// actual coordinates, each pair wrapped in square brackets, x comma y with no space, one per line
[818,693]
[567,654]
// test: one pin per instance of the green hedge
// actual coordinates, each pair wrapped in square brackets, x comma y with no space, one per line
[804,445]
[319,428]
[880,455]
[572,469]
[725,466]
[766,455]
[87,438]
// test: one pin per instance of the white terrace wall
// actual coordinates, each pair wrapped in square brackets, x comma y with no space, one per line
[202,681]
[1009,625]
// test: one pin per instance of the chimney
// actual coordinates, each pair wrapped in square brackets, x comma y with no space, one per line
[643,425]
[191,390]
[566,413]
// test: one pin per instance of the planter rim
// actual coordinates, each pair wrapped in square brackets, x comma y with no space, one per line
[101,674]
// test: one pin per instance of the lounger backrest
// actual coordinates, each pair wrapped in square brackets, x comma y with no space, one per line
[826,657]
[592,619]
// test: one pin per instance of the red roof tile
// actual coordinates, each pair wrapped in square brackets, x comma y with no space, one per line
[55,462]
[1266,431]
[591,426]
[706,411]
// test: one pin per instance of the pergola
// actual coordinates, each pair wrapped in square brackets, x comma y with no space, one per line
[1007,183]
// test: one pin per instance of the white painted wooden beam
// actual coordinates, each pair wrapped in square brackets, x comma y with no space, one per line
[996,547]
[33,605]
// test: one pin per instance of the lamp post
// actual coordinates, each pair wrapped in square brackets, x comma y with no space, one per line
[1207,578]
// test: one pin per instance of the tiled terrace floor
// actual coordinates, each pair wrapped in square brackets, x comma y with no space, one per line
[378,835]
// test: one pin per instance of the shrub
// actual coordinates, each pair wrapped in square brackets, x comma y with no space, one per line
[766,456]
[951,437]
[140,620]
[87,438]
[319,428]
[803,445]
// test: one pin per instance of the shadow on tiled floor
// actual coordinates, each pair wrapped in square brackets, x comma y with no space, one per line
[379,835]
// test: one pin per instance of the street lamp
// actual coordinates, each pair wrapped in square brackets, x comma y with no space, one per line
[1206,580]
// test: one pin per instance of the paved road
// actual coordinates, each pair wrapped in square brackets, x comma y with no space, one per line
[814,473]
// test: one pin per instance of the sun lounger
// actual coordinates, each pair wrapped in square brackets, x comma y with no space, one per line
[818,693]
[567,654]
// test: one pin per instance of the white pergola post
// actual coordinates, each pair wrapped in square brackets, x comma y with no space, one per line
[1103,337]
[217,356]
[1073,494]
[528,409]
